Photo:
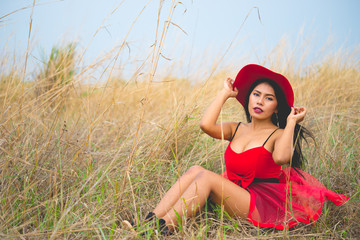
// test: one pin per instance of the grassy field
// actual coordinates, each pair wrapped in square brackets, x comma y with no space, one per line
[76,159]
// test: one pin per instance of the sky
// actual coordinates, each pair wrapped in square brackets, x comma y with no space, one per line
[202,33]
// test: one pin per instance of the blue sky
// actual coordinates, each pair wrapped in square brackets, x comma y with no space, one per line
[210,27]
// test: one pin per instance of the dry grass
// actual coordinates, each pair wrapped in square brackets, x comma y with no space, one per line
[74,164]
[76,158]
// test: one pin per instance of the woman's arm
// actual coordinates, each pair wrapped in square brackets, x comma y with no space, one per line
[208,122]
[284,146]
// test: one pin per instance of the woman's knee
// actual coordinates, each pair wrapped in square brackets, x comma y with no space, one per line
[204,175]
[195,170]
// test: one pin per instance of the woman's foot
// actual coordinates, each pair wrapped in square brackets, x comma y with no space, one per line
[153,222]
[163,229]
[150,217]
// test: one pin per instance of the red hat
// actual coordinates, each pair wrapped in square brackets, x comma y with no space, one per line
[252,72]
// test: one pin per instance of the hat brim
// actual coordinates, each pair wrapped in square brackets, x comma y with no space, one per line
[252,72]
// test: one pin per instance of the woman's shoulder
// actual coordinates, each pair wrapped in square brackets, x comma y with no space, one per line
[241,128]
[237,126]
[274,134]
[278,132]
[243,125]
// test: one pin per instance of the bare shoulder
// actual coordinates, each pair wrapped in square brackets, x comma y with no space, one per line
[238,126]
[244,126]
[273,138]
[235,127]
[278,133]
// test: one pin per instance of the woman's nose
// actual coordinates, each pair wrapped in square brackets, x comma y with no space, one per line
[260,101]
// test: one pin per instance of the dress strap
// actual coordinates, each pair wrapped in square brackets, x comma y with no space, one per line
[270,136]
[235,132]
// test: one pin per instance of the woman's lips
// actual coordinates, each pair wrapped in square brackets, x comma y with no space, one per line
[258,110]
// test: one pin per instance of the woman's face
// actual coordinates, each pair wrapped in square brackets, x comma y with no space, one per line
[262,102]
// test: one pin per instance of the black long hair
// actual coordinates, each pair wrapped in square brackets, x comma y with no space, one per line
[300,132]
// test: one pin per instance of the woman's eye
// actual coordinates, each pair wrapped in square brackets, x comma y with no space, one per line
[269,98]
[256,94]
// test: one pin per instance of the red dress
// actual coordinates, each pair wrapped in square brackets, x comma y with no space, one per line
[279,198]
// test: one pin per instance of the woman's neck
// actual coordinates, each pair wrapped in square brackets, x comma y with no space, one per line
[257,124]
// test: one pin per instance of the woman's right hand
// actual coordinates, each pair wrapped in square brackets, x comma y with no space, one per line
[229,88]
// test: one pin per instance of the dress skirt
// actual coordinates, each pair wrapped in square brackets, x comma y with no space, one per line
[297,197]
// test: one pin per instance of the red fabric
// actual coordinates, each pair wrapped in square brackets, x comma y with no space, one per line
[260,166]
[298,197]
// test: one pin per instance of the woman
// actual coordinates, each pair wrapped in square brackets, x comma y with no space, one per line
[254,186]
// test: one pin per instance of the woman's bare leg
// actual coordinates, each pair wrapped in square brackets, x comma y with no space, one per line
[235,199]
[175,192]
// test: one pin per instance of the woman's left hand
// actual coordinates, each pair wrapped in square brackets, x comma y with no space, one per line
[297,114]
